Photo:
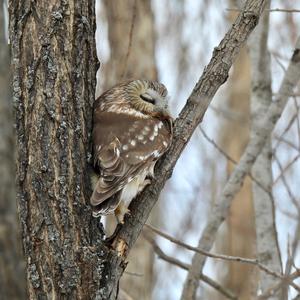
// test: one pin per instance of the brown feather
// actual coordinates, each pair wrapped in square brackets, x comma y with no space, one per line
[128,138]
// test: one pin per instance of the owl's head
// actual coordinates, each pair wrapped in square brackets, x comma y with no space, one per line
[150,97]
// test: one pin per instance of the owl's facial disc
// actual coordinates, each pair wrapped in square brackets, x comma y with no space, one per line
[159,102]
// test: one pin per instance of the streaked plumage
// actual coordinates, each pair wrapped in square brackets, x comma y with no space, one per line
[132,130]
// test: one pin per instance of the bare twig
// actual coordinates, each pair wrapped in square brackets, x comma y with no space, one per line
[283,170]
[285,184]
[133,274]
[283,140]
[273,289]
[298,119]
[184,266]
[291,257]
[130,39]
[250,261]
[230,115]
[269,10]
[228,157]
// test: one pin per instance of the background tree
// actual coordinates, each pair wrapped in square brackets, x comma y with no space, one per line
[238,237]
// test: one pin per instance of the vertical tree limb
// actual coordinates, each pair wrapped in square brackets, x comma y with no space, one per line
[261,98]
[238,236]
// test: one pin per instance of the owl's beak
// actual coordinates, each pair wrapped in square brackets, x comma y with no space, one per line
[161,107]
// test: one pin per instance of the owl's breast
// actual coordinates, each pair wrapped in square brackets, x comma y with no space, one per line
[137,184]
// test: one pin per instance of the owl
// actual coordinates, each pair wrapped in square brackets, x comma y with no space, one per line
[132,129]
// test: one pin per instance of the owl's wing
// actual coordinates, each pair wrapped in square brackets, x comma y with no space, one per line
[123,147]
[116,172]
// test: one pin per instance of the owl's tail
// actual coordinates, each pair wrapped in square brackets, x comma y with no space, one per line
[108,206]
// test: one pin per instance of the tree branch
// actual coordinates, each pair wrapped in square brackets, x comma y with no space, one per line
[214,75]
[174,261]
[273,289]
[245,260]
[236,179]
[267,248]
[250,261]
[271,10]
[229,158]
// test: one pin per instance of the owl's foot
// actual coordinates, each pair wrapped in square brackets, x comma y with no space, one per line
[120,212]
[146,182]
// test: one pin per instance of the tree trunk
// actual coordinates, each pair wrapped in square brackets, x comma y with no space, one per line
[132,41]
[267,246]
[54,65]
[12,277]
[239,236]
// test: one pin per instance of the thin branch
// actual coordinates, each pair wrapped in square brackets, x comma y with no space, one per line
[269,10]
[174,261]
[133,274]
[230,115]
[286,168]
[130,39]
[284,10]
[292,254]
[273,289]
[285,184]
[283,140]
[298,120]
[228,157]
[250,261]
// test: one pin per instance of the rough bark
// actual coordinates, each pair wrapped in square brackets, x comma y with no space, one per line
[54,68]
[261,98]
[263,129]
[132,55]
[12,276]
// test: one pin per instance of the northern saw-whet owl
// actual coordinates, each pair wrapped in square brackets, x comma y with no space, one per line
[132,129]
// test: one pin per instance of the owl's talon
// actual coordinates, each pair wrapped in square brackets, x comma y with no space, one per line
[148,181]
[120,212]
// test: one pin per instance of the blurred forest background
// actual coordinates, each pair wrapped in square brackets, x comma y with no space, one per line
[172,41]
